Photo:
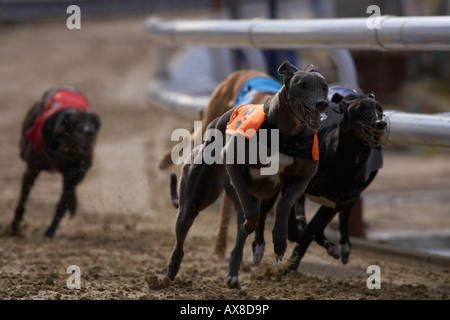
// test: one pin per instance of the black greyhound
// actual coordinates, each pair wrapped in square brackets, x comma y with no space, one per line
[58,134]
[350,156]
[294,112]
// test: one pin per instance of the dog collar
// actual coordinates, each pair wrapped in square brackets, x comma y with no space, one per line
[300,146]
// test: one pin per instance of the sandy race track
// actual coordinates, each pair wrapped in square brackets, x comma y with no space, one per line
[123,233]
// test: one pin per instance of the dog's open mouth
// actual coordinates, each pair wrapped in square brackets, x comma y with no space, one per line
[311,117]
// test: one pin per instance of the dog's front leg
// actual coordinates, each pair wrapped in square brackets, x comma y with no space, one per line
[67,201]
[259,244]
[322,240]
[28,180]
[294,188]
[322,217]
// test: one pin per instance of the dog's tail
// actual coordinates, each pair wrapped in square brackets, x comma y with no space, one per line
[173,190]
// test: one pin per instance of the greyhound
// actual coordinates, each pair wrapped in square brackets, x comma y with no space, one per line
[294,113]
[350,149]
[58,134]
[240,87]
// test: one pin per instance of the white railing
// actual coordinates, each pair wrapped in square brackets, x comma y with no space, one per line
[394,33]
[338,35]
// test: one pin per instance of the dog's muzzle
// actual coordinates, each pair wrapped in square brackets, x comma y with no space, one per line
[374,130]
[314,117]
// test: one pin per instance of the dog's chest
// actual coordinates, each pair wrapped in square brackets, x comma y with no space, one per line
[284,161]
[322,200]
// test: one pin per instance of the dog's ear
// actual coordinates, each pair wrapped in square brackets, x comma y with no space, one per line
[346,102]
[336,98]
[287,70]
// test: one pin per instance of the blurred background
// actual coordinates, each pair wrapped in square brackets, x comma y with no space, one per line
[112,60]
[393,76]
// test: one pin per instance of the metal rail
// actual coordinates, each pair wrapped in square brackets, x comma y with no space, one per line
[395,33]
[432,130]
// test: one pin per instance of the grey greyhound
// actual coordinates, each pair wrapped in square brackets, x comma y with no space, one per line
[295,113]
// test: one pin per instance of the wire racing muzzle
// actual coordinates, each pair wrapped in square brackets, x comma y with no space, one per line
[373,128]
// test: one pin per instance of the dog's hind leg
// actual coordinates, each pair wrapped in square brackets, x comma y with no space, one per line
[185,219]
[345,244]
[259,244]
[200,186]
[236,255]
[28,180]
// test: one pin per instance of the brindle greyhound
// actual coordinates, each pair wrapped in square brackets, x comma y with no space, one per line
[295,111]
[58,134]
[350,156]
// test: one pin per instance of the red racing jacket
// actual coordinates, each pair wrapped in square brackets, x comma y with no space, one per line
[59,101]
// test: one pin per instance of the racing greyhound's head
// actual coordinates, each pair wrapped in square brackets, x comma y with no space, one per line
[364,117]
[305,93]
[76,132]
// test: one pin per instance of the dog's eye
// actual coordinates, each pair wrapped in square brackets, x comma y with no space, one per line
[302,85]
[325,87]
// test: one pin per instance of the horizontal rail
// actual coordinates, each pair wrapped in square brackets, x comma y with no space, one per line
[431,130]
[395,33]
[177,101]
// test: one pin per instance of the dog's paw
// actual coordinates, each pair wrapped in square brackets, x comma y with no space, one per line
[48,235]
[332,249]
[346,248]
[279,257]
[290,270]
[258,253]
[233,282]
[9,231]
[279,247]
